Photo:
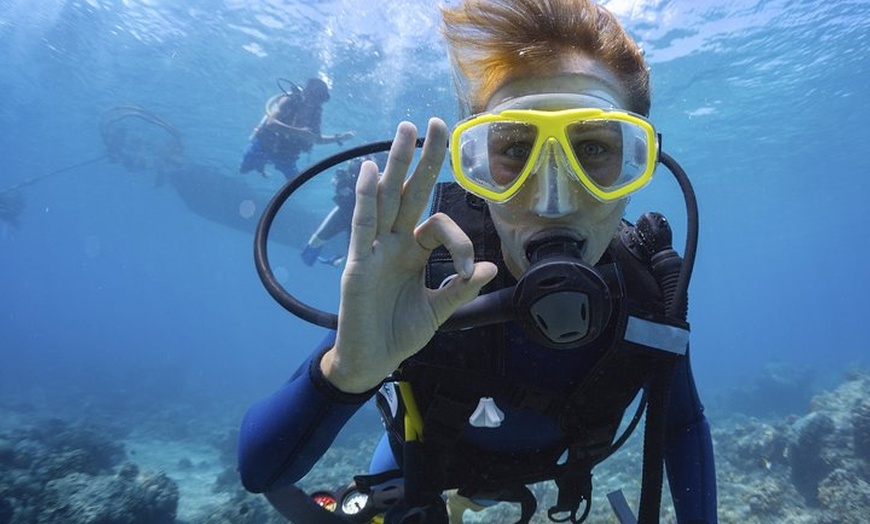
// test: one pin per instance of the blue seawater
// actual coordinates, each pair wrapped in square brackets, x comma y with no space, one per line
[117,298]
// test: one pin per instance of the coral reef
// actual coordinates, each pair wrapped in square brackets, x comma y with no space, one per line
[780,389]
[809,441]
[808,467]
[846,496]
[57,472]
[243,508]
[861,429]
[81,498]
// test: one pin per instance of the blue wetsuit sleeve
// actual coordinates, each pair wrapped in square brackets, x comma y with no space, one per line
[689,452]
[283,435]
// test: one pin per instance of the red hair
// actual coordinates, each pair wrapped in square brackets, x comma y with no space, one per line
[492,41]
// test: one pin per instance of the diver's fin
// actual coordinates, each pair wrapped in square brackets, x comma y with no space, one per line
[334,260]
[310,254]
[620,507]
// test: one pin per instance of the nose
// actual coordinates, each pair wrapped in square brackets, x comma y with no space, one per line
[555,197]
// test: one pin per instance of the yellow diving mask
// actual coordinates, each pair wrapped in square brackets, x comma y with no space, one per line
[610,151]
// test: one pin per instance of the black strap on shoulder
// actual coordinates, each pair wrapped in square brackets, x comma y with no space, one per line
[653,446]
[650,244]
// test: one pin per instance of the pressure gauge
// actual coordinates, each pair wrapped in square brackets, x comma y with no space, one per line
[353,502]
[325,500]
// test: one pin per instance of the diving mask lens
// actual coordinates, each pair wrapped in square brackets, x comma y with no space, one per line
[612,153]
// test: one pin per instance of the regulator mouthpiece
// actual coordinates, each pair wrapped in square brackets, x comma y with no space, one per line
[561,301]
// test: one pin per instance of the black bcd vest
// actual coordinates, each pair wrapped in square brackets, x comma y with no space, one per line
[456,369]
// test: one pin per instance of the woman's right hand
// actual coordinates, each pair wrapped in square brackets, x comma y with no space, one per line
[386,312]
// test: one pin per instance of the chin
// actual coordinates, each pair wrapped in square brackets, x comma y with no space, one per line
[593,250]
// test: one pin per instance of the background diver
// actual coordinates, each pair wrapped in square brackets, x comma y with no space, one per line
[338,220]
[290,126]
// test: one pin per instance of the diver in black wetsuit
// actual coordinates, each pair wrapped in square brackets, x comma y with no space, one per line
[555,140]
[291,126]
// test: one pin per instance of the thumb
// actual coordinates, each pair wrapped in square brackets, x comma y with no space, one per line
[460,291]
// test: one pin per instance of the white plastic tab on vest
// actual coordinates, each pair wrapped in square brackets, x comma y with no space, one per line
[486,415]
[659,336]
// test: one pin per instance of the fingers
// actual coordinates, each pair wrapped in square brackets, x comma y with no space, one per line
[418,188]
[390,186]
[459,291]
[392,204]
[441,230]
[438,230]
[364,224]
